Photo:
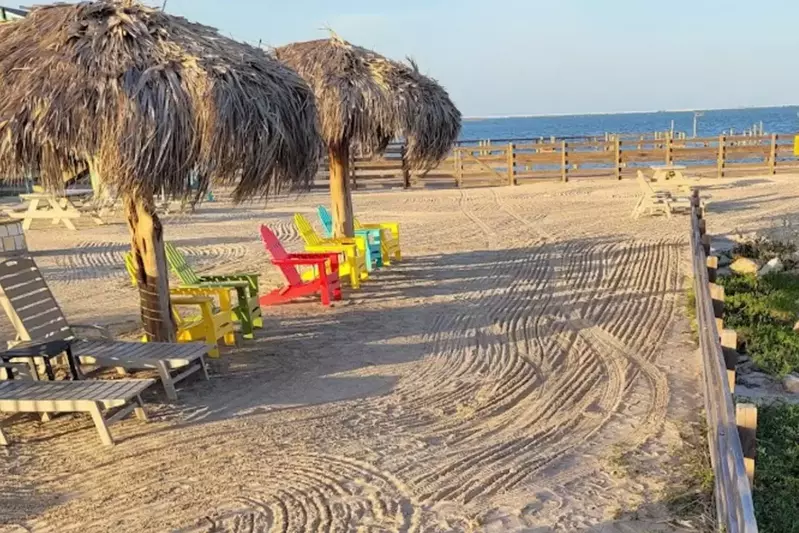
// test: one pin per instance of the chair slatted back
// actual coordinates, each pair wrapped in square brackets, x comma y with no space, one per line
[275,247]
[325,219]
[178,265]
[29,297]
[307,232]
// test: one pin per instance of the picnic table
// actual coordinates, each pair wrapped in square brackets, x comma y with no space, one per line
[60,208]
[668,172]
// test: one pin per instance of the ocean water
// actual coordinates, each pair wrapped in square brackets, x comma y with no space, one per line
[712,123]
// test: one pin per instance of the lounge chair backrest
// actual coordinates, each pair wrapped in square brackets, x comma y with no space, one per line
[325,219]
[178,265]
[37,312]
[307,232]
[275,247]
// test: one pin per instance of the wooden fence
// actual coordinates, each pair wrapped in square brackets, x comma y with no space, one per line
[730,427]
[617,157]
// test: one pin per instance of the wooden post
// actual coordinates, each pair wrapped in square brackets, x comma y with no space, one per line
[511,157]
[617,157]
[712,268]
[717,295]
[729,348]
[669,146]
[722,156]
[746,420]
[772,158]
[340,196]
[564,161]
[147,247]
[457,157]
[406,173]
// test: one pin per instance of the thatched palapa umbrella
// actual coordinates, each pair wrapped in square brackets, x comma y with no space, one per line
[366,100]
[146,99]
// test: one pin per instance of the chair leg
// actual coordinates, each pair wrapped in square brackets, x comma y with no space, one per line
[3,439]
[203,368]
[99,423]
[166,380]
[355,274]
[139,411]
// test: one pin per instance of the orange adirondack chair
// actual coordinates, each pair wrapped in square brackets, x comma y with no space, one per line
[326,281]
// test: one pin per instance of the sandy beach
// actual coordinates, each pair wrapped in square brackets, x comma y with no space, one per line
[490,382]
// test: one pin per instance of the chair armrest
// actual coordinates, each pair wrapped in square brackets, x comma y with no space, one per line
[200,290]
[102,331]
[318,260]
[230,284]
[190,300]
[335,248]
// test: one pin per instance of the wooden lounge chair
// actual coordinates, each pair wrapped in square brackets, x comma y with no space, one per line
[35,314]
[390,240]
[212,325]
[98,398]
[373,238]
[325,267]
[354,250]
[247,311]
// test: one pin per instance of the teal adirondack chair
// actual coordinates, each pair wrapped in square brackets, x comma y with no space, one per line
[372,236]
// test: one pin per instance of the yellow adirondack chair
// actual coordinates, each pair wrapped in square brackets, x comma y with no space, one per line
[353,267]
[211,325]
[390,238]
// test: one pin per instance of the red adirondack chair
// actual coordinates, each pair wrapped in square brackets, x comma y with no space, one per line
[326,282]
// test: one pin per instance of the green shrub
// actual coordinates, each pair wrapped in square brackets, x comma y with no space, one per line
[764,311]
[776,488]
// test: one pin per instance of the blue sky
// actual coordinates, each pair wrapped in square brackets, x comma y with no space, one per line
[518,57]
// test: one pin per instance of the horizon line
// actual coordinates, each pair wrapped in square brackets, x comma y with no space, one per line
[595,113]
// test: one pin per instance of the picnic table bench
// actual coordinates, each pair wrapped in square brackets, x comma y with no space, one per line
[59,208]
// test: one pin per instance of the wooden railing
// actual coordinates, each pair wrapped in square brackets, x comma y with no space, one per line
[727,426]
[617,157]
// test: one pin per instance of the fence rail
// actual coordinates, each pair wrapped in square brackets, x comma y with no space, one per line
[512,163]
[734,507]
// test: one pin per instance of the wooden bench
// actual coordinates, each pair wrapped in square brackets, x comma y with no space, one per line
[98,398]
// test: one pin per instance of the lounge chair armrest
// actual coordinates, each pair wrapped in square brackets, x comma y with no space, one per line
[200,290]
[190,300]
[247,276]
[101,331]
[230,284]
[318,260]
[325,255]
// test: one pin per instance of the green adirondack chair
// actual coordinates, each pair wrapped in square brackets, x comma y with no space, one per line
[247,310]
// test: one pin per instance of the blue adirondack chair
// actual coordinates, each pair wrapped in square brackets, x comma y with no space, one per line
[372,236]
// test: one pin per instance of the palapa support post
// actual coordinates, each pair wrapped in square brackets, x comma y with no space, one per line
[147,247]
[746,420]
[340,196]
[406,173]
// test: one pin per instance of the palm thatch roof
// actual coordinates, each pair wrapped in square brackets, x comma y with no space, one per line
[367,100]
[147,98]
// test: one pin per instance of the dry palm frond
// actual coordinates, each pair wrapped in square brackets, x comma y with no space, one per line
[147,99]
[367,100]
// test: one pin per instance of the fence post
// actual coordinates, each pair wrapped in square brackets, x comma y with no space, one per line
[458,166]
[772,158]
[746,420]
[406,174]
[564,161]
[722,156]
[669,149]
[618,157]
[511,156]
